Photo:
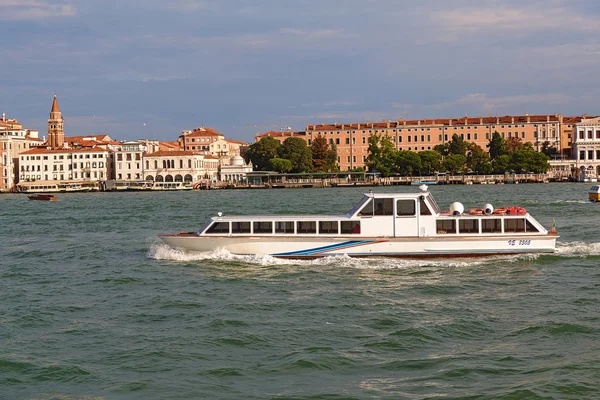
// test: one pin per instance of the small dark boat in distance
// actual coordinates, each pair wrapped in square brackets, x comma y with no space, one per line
[44,197]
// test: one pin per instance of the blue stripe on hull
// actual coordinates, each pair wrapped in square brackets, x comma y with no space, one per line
[316,250]
[429,254]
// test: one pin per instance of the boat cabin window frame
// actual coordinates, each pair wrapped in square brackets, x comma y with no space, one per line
[240,227]
[329,227]
[306,227]
[262,227]
[468,226]
[514,225]
[424,207]
[212,229]
[285,227]
[446,226]
[350,227]
[491,225]
[406,208]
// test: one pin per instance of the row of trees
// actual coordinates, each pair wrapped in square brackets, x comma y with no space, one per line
[459,156]
[293,155]
[456,156]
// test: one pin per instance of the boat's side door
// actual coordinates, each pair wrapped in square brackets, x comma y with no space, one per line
[405,218]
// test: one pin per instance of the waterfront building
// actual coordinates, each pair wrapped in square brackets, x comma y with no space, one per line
[586,147]
[352,139]
[13,140]
[180,166]
[73,165]
[199,139]
[235,170]
[129,161]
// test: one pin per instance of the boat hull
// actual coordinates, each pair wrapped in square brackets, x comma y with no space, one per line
[304,247]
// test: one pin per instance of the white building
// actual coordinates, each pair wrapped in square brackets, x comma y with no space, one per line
[180,166]
[235,171]
[586,147]
[13,140]
[129,163]
[73,165]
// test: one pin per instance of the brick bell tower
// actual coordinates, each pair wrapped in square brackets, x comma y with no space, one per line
[56,132]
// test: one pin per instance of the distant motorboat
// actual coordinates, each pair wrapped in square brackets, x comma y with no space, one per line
[43,197]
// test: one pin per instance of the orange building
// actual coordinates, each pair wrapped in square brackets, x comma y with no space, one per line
[352,140]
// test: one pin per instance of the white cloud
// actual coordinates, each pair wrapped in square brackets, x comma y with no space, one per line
[511,20]
[21,10]
[483,104]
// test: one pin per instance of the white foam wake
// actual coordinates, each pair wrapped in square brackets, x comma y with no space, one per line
[160,251]
[577,249]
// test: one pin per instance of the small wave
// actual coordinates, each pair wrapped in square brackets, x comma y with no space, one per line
[578,249]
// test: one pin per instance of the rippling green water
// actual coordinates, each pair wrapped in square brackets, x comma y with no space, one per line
[93,307]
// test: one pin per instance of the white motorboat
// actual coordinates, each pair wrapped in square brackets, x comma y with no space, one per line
[382,224]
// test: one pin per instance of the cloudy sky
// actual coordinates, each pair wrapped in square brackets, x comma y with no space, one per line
[150,68]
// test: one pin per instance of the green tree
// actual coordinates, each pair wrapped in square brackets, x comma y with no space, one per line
[382,154]
[527,160]
[320,153]
[280,165]
[496,146]
[408,163]
[548,149]
[513,144]
[431,161]
[500,164]
[442,149]
[259,153]
[455,163]
[296,150]
[478,160]
[457,145]
[332,159]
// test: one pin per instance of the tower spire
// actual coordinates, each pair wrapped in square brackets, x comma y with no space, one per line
[56,133]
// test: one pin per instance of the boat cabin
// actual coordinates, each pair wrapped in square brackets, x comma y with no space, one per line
[381,215]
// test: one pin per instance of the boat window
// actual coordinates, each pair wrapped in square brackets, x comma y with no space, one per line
[529,227]
[350,227]
[367,209]
[306,227]
[405,207]
[384,207]
[262,227]
[491,225]
[468,226]
[446,226]
[240,227]
[514,225]
[284,227]
[436,208]
[218,228]
[328,227]
[423,208]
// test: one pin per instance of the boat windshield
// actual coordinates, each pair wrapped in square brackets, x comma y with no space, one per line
[359,205]
[436,208]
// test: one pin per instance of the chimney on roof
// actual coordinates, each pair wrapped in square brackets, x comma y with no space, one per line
[450,121]
[419,122]
[4,117]
[358,125]
[528,118]
[480,120]
[466,119]
[547,118]
[497,120]
[512,119]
